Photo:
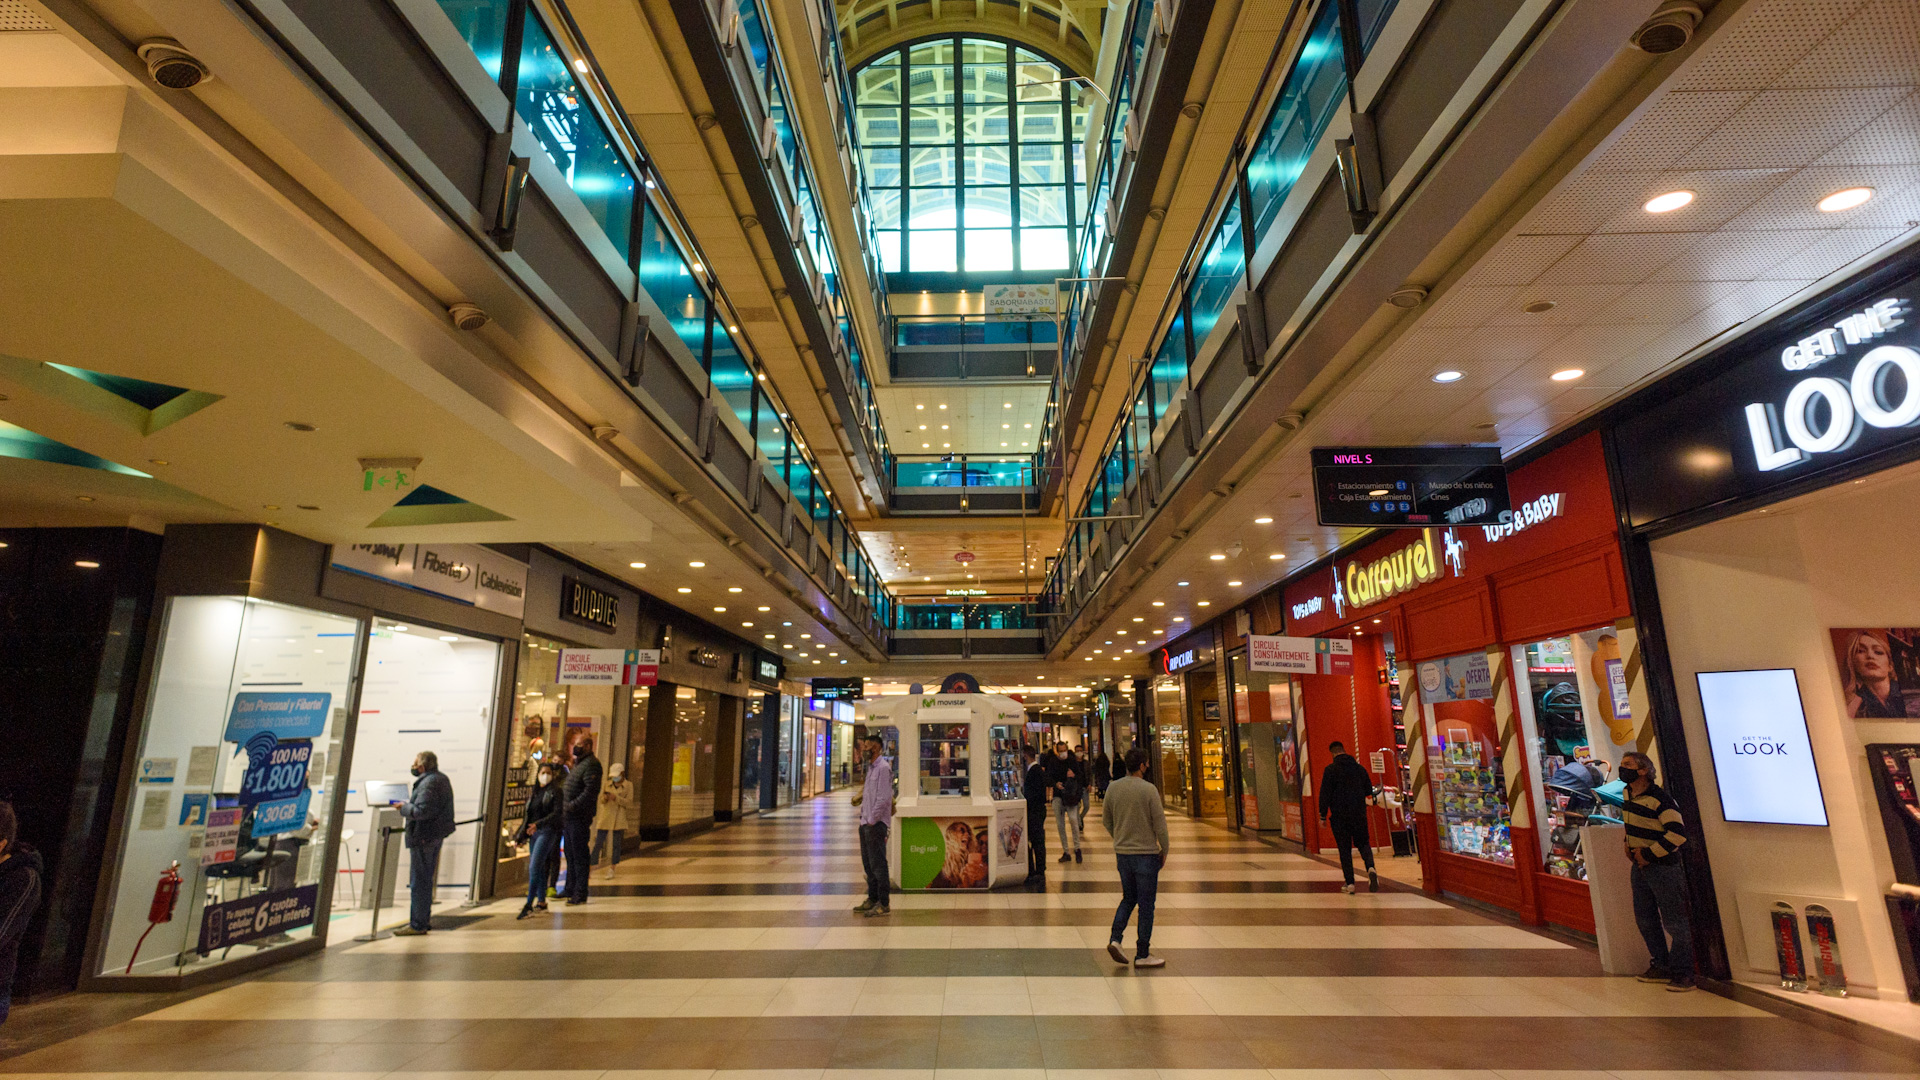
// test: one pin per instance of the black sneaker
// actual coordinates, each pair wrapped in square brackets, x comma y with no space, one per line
[1657,974]
[863,908]
[1373,881]
[1076,856]
[1682,985]
[1064,857]
[525,913]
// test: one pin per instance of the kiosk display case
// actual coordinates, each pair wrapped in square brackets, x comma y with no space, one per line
[949,831]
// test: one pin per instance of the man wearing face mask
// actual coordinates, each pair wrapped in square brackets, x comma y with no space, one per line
[1655,832]
[429,815]
[542,828]
[581,801]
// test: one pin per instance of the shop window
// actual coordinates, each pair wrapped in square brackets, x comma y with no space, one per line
[1578,723]
[944,757]
[548,720]
[1463,755]
[234,780]
[696,723]
[1170,719]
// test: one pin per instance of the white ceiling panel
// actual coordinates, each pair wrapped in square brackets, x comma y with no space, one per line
[1784,128]
[1878,46]
[1767,43]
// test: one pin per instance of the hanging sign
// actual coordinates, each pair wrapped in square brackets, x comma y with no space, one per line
[1387,486]
[611,667]
[1017,300]
[285,714]
[276,770]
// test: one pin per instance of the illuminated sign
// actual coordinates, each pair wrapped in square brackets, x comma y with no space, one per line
[582,603]
[1823,414]
[1310,606]
[1526,516]
[1403,571]
[1388,486]
[1171,662]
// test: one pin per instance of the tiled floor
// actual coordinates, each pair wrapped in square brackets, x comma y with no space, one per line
[732,956]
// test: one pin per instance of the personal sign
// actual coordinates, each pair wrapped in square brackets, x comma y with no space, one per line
[1396,486]
[296,714]
[276,770]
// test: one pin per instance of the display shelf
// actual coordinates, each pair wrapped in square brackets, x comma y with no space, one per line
[1004,761]
[1471,805]
[944,750]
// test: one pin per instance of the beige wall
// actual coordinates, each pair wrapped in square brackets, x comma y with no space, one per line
[1761,591]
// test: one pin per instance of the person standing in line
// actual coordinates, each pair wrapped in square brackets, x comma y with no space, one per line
[578,807]
[876,816]
[1134,816]
[610,820]
[1034,788]
[1345,793]
[20,874]
[553,865]
[1655,831]
[542,827]
[429,815]
[1069,791]
[1102,773]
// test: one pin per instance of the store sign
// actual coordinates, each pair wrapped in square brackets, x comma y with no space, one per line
[767,669]
[608,667]
[1823,388]
[464,573]
[704,656]
[258,916]
[1299,655]
[284,714]
[1171,662]
[1018,299]
[1312,605]
[966,592]
[1526,516]
[584,604]
[1388,486]
[1369,583]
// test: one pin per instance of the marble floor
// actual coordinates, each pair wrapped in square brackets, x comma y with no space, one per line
[733,956]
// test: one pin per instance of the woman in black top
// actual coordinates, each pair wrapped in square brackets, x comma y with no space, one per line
[543,827]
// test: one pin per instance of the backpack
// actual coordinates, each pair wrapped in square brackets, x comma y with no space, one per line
[1071,788]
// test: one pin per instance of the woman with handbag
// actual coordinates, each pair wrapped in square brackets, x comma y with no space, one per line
[542,824]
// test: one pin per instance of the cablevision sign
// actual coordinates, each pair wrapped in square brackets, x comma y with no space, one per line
[1835,382]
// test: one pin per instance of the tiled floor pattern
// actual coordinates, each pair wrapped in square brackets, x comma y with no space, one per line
[732,956]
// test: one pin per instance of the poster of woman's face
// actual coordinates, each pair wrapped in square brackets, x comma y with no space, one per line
[1879,671]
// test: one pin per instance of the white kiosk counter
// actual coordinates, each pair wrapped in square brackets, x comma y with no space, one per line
[959,821]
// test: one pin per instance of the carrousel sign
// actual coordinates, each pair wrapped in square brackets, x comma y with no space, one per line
[1826,386]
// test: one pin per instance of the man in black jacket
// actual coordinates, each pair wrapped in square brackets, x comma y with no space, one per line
[1345,793]
[429,815]
[1034,789]
[19,899]
[582,800]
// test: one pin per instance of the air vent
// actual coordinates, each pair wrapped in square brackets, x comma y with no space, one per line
[1670,29]
[19,16]
[171,65]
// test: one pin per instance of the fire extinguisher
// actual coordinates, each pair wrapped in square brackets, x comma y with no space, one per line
[165,894]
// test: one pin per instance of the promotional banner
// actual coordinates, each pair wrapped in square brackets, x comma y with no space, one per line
[258,916]
[1333,656]
[617,667]
[1017,299]
[275,770]
[1879,671]
[283,714]
[944,852]
[1267,652]
[1456,678]
[282,815]
[222,837]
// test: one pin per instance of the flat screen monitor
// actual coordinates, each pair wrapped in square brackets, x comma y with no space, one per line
[1762,756]
[381,793]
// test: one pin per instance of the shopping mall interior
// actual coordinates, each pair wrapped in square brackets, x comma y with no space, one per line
[607,466]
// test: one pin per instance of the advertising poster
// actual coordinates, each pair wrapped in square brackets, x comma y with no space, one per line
[286,714]
[258,916]
[944,852]
[1879,671]
[1456,678]
[1269,652]
[222,837]
[1010,832]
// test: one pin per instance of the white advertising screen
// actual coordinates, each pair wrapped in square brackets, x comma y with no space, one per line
[1761,752]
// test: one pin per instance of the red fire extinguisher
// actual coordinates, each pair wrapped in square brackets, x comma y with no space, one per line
[165,894]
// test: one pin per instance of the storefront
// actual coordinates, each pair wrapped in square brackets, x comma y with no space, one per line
[1772,490]
[280,692]
[568,606]
[1191,755]
[1484,661]
[695,724]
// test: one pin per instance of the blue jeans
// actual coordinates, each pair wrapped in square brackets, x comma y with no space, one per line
[545,849]
[423,865]
[579,846]
[1660,909]
[1139,884]
[873,860]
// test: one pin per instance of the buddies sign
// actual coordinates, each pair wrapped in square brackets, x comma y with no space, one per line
[1833,383]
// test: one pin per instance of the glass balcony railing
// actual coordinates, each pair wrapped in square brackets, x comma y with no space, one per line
[560,96]
[974,346]
[964,471]
[1216,263]
[960,617]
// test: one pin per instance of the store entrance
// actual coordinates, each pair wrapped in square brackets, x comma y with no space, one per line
[425,690]
[1170,724]
[1210,742]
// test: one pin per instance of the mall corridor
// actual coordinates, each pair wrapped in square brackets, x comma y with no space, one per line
[734,955]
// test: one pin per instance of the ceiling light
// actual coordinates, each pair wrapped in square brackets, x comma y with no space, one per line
[158,461]
[1539,307]
[580,65]
[1449,375]
[943,406]
[1277,556]
[86,564]
[684,589]
[1179,618]
[1376,620]
[638,565]
[919,406]
[766,609]
[1159,603]
[1206,603]
[806,637]
[769,637]
[449,637]
[733,588]
[1263,521]
[1233,584]
[1216,557]
[401,629]
[1567,374]
[1008,405]
[719,609]
[1672,200]
[84,498]
[747,624]
[1137,618]
[696,564]
[1845,199]
[788,645]
[1182,584]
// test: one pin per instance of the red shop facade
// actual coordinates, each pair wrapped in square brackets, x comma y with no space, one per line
[1495,678]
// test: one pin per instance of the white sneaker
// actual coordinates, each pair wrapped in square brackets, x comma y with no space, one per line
[1119,955]
[1348,889]
[1149,962]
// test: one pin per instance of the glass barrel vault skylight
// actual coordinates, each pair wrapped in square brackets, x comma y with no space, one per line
[972,150]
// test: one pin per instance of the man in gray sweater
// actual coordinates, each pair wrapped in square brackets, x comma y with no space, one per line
[1138,824]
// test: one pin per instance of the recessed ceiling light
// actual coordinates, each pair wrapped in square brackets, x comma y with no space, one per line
[1567,374]
[919,406]
[1845,199]
[401,629]
[1233,584]
[719,609]
[733,588]
[684,589]
[1179,618]
[638,565]
[580,65]
[1137,618]
[297,425]
[943,406]
[1182,584]
[1217,557]
[1263,521]
[748,624]
[1277,556]
[766,609]
[1159,603]
[449,637]
[86,564]
[1672,200]
[1538,307]
[1206,603]
[767,636]
[1448,375]
[696,564]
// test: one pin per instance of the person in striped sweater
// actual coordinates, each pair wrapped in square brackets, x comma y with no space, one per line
[1655,832]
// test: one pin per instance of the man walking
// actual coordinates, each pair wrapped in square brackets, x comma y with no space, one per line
[1102,773]
[1138,823]
[1069,788]
[1034,788]
[581,802]
[1345,793]
[876,814]
[1655,832]
[429,814]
